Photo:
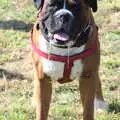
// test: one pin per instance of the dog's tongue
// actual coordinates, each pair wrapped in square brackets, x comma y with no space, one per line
[61,36]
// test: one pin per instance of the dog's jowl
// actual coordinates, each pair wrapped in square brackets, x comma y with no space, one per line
[65,47]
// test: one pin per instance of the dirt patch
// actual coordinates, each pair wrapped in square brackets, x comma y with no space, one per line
[114,22]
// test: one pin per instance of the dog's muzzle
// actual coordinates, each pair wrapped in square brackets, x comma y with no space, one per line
[62,21]
[56,23]
[63,18]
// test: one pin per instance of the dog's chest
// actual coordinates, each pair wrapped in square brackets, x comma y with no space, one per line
[56,69]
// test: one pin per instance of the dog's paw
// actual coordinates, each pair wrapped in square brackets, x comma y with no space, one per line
[100,105]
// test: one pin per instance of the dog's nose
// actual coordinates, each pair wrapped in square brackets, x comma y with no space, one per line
[64,16]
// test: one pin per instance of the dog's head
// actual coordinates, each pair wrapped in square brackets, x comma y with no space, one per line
[62,20]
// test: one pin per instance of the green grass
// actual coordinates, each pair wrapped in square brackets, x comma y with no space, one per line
[12,39]
[114,105]
[16,19]
[18,103]
[112,36]
[5,4]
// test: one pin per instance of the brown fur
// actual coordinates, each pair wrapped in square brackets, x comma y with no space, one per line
[89,86]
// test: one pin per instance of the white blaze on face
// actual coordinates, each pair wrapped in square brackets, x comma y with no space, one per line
[64,5]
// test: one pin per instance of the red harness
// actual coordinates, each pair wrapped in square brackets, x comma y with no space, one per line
[64,59]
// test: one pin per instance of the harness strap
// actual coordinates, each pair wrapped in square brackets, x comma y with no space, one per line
[64,59]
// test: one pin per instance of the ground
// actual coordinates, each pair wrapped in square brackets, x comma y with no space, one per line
[16,74]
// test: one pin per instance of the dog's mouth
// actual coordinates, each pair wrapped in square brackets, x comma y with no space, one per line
[60,39]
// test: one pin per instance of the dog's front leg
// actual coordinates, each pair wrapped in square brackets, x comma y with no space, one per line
[99,94]
[42,89]
[87,89]
[42,95]
[99,102]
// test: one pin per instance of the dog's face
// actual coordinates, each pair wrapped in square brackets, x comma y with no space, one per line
[62,20]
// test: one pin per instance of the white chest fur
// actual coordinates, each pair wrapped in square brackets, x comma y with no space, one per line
[55,69]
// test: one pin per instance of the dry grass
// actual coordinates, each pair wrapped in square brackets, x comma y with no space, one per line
[16,72]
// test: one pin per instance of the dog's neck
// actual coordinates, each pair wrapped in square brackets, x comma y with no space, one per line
[46,47]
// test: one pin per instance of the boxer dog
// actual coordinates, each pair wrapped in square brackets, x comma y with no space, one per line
[65,47]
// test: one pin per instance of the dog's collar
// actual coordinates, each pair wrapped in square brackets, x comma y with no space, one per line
[68,60]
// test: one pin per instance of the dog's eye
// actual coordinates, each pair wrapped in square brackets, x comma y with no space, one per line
[54,2]
[74,2]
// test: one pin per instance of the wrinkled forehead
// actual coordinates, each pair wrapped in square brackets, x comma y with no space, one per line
[64,2]
[68,1]
[90,3]
[41,3]
[72,1]
[60,2]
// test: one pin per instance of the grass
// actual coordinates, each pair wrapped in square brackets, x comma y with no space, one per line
[16,20]
[12,40]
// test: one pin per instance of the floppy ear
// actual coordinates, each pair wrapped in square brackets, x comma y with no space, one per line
[39,3]
[93,4]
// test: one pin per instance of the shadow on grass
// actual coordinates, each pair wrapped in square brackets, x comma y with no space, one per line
[12,75]
[15,25]
[114,106]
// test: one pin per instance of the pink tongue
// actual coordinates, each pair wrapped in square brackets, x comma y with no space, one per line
[61,36]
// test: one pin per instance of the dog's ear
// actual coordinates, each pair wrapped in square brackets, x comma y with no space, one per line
[93,4]
[39,3]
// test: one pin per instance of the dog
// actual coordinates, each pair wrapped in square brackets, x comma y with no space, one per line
[65,47]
